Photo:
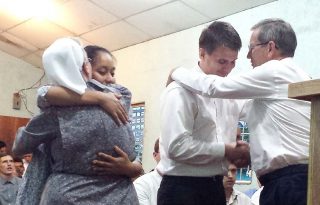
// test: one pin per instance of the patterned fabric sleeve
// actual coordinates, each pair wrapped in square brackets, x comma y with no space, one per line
[40,129]
[31,139]
[35,177]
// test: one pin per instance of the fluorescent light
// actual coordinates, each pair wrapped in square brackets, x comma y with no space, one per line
[24,9]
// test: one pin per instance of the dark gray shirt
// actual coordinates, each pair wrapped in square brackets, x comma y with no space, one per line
[9,190]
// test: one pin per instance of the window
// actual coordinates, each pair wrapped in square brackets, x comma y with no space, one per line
[137,124]
[244,175]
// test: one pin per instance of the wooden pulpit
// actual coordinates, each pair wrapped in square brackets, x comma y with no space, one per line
[310,90]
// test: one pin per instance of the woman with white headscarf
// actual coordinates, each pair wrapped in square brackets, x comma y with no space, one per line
[75,134]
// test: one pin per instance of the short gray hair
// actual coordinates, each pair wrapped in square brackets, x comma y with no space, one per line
[279,31]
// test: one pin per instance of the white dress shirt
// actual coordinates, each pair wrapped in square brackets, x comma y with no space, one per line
[238,198]
[256,197]
[147,187]
[194,130]
[8,190]
[279,126]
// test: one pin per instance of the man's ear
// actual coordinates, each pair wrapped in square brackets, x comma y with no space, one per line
[273,51]
[202,53]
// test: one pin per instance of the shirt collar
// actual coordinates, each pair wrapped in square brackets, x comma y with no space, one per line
[235,193]
[234,196]
[197,68]
[96,85]
[12,180]
[101,87]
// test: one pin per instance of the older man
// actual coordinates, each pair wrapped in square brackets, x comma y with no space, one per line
[9,183]
[279,126]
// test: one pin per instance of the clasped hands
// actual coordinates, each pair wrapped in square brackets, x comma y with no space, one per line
[238,153]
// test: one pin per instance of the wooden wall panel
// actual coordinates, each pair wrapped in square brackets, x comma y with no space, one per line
[8,128]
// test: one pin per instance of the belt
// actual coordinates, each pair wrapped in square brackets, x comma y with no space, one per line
[194,178]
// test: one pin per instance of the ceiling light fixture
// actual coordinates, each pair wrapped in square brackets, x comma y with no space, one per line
[24,9]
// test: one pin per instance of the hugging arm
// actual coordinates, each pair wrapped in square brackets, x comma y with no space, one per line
[40,129]
[61,96]
[258,83]
[106,164]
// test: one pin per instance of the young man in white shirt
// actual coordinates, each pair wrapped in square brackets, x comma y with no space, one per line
[233,196]
[198,133]
[148,184]
[279,126]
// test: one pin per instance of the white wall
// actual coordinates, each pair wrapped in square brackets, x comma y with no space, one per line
[144,68]
[16,75]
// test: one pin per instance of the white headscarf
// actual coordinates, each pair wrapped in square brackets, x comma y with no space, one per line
[62,62]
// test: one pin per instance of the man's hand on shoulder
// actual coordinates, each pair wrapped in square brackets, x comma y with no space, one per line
[170,80]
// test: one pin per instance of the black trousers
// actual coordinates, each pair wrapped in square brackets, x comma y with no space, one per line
[181,190]
[286,186]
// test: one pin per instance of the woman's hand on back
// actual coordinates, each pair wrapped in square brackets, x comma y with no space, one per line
[121,165]
[110,102]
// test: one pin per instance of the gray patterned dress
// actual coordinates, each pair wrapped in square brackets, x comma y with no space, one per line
[74,135]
